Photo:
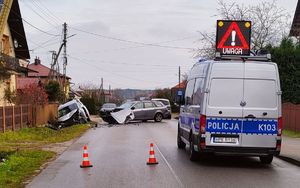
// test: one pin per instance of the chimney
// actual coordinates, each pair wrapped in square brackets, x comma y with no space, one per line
[37,61]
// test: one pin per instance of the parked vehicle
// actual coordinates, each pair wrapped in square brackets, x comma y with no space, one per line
[232,107]
[166,102]
[105,111]
[141,110]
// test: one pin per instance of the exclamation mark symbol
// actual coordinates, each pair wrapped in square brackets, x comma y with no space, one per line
[233,34]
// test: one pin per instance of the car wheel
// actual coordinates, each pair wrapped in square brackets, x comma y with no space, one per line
[180,143]
[158,117]
[82,120]
[193,153]
[266,159]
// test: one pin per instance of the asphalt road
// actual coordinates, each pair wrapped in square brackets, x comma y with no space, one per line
[119,155]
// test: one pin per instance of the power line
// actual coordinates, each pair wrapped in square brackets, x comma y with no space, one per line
[50,12]
[39,15]
[28,22]
[130,41]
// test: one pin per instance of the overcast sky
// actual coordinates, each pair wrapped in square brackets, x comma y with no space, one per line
[123,64]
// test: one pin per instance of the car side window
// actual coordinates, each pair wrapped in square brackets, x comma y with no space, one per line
[149,105]
[138,105]
[189,92]
[198,91]
[158,103]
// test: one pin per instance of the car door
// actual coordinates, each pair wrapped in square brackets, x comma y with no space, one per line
[149,110]
[138,111]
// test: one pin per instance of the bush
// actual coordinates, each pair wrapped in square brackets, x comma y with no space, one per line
[90,103]
[54,92]
[287,57]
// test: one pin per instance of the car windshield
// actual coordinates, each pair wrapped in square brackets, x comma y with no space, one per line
[126,105]
[109,105]
[64,111]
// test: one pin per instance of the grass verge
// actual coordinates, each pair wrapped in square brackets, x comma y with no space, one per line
[20,165]
[291,134]
[35,137]
[21,153]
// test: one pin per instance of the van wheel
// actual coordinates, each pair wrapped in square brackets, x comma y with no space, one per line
[193,153]
[180,143]
[158,117]
[266,159]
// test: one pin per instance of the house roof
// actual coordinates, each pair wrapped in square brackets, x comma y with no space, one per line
[295,30]
[15,23]
[41,70]
[181,85]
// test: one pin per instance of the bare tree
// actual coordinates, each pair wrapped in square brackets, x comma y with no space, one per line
[270,24]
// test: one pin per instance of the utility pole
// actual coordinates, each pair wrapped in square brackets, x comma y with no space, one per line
[179,73]
[65,60]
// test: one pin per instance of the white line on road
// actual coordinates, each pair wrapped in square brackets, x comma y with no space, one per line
[171,169]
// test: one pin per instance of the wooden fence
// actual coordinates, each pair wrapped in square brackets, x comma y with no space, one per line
[291,116]
[16,117]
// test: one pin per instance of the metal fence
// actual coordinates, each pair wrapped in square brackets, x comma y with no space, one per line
[15,117]
[291,116]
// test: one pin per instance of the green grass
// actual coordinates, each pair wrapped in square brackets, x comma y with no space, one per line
[291,134]
[34,137]
[21,165]
[23,154]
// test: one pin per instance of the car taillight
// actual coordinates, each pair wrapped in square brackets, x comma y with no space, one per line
[202,123]
[279,126]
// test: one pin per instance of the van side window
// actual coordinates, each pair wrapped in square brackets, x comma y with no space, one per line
[189,92]
[198,91]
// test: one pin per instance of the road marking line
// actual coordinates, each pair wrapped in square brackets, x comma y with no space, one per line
[169,166]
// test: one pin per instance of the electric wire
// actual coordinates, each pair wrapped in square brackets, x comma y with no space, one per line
[39,15]
[45,32]
[130,41]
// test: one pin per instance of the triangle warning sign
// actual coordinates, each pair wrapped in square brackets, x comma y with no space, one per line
[233,30]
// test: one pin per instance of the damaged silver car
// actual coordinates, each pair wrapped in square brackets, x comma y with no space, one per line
[70,113]
[137,110]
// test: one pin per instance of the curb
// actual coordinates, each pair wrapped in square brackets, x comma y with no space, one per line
[289,160]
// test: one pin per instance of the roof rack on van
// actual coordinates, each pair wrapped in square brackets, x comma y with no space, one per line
[254,57]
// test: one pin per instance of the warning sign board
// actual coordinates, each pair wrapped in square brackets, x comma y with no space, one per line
[233,37]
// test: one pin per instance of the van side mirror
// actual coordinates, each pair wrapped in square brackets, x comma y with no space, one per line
[132,108]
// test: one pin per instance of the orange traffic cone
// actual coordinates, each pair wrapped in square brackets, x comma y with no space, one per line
[85,162]
[152,159]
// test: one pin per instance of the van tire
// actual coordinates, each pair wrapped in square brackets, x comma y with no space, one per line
[180,143]
[266,159]
[193,153]
[158,117]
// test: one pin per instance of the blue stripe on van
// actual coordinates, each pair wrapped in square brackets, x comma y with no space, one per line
[235,126]
[259,126]
[187,121]
[218,125]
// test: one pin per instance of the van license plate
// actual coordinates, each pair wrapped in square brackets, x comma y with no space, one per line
[225,140]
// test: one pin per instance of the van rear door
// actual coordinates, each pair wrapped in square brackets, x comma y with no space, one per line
[260,112]
[224,111]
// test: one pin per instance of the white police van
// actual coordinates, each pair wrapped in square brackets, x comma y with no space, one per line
[232,106]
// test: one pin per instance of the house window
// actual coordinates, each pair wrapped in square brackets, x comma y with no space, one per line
[5,45]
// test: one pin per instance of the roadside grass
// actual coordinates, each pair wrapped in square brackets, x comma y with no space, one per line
[21,153]
[291,134]
[21,165]
[34,137]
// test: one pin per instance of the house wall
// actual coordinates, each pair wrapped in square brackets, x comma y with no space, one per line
[12,80]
